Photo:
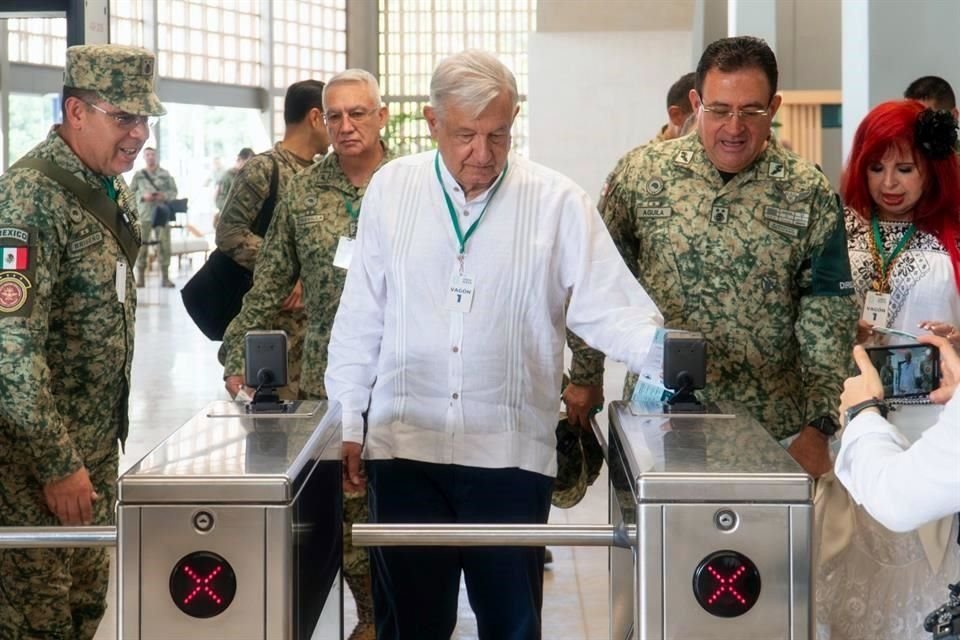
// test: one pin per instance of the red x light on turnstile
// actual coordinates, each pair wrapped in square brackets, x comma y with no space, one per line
[726,584]
[202,584]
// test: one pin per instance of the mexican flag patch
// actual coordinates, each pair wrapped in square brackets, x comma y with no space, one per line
[13,258]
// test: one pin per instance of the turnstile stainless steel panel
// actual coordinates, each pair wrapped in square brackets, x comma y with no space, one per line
[671,475]
[262,492]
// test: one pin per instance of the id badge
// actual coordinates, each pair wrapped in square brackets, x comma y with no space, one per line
[875,308]
[344,253]
[460,293]
[121,281]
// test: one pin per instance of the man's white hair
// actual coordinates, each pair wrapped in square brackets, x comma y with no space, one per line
[361,76]
[471,80]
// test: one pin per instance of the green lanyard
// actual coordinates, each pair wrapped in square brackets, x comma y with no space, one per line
[461,237]
[884,261]
[109,186]
[353,213]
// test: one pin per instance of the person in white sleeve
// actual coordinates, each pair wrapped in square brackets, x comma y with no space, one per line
[900,485]
[449,338]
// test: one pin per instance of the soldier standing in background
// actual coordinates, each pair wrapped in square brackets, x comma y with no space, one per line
[226,180]
[304,137]
[739,238]
[311,239]
[153,186]
[67,309]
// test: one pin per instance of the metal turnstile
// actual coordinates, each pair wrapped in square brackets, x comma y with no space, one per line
[722,518]
[710,529]
[229,528]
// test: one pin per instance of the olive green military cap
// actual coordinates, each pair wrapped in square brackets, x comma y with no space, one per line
[123,76]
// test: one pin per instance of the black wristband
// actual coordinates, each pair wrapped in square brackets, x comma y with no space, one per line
[858,408]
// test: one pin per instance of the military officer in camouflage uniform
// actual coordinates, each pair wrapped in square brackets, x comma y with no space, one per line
[678,108]
[153,186]
[226,180]
[67,309]
[739,238]
[305,136]
[310,240]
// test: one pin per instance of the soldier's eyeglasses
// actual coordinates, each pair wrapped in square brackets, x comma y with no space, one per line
[722,114]
[357,116]
[124,120]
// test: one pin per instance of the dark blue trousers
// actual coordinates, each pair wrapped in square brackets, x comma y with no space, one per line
[415,589]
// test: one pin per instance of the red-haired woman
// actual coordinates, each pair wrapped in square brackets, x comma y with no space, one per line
[902,190]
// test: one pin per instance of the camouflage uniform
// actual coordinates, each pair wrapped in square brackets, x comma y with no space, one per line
[66,347]
[301,243]
[235,237]
[141,186]
[223,186]
[758,264]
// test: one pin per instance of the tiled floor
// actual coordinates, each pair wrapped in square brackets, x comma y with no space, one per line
[176,373]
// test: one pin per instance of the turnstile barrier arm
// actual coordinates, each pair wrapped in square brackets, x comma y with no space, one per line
[492,535]
[57,537]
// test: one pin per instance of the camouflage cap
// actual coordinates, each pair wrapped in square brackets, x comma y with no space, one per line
[123,76]
[579,460]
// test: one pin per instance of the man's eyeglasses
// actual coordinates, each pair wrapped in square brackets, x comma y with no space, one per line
[124,120]
[722,114]
[357,116]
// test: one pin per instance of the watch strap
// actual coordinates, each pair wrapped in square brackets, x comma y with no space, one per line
[869,403]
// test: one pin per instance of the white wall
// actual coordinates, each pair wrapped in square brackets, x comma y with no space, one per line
[886,45]
[593,96]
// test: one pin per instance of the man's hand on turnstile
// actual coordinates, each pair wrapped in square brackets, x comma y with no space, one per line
[234,385]
[71,499]
[353,479]
[582,402]
[810,449]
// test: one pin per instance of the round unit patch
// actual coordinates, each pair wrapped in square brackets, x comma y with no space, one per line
[13,292]
[654,186]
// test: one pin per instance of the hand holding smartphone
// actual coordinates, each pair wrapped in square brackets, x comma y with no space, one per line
[906,371]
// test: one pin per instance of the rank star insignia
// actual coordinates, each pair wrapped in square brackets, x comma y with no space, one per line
[654,186]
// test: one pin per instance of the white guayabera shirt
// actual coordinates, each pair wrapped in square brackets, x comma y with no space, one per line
[478,385]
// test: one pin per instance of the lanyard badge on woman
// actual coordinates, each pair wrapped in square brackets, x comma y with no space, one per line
[876,307]
[460,292]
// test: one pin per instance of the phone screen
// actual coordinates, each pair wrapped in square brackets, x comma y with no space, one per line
[907,371]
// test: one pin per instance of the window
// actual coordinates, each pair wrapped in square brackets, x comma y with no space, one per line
[126,22]
[38,40]
[309,42]
[416,34]
[212,42]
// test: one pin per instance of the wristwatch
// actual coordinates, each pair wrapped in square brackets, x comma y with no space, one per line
[856,409]
[825,424]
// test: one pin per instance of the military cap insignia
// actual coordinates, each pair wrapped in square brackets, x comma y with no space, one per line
[720,215]
[14,288]
[683,156]
[654,186]
[777,169]
[146,67]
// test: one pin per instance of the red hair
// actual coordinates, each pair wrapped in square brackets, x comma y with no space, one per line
[891,124]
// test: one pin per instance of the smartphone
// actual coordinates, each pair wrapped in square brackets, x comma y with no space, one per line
[894,332]
[906,370]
